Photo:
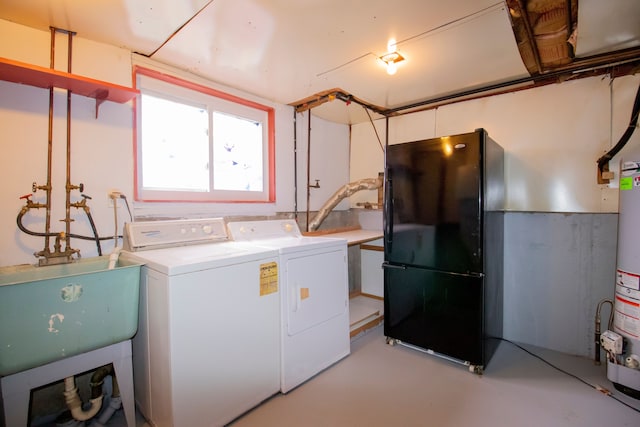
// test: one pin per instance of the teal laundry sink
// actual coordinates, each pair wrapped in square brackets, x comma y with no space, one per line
[52,312]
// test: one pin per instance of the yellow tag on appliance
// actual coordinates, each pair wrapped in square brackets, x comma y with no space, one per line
[268,278]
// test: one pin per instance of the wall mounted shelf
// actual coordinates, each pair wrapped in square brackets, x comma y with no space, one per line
[33,75]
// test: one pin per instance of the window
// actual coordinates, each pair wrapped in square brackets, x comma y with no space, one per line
[194,143]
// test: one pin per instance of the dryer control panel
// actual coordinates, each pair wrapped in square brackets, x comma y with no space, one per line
[145,235]
[246,231]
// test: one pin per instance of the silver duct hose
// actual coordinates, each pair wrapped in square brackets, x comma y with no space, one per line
[344,191]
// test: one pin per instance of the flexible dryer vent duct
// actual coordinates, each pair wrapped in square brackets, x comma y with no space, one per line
[344,191]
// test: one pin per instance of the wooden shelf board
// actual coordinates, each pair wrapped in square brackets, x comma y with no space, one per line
[33,75]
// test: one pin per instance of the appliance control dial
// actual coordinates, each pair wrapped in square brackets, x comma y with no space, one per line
[144,235]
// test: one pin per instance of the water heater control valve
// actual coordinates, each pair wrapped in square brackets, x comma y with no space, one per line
[611,342]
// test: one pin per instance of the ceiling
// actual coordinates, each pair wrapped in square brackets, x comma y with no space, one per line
[309,52]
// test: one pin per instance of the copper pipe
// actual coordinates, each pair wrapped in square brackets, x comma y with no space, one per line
[47,226]
[58,255]
[308,167]
[67,218]
[295,165]
[597,327]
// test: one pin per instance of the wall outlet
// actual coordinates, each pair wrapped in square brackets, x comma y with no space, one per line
[113,196]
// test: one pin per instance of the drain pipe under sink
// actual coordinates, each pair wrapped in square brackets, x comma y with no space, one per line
[75,404]
[97,381]
[114,404]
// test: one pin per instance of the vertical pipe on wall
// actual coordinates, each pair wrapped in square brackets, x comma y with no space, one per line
[308,167]
[295,165]
[47,226]
[386,134]
[67,218]
[386,202]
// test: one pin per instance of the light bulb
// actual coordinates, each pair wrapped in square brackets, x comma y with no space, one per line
[391,68]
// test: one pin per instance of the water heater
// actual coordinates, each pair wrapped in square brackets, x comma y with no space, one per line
[624,370]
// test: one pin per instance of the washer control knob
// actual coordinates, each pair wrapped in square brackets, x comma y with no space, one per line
[207,229]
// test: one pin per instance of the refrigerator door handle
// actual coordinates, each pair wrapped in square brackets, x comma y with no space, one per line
[388,213]
[398,267]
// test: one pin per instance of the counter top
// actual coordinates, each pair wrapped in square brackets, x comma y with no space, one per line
[355,237]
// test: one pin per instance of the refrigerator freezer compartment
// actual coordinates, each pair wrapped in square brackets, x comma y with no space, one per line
[435,311]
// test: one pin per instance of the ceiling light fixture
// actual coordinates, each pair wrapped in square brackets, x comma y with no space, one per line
[391,58]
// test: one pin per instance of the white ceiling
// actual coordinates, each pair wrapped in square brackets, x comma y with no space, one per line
[288,50]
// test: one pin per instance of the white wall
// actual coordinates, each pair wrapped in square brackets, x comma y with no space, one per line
[367,158]
[102,149]
[329,160]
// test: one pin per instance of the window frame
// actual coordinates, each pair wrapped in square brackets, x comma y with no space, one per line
[213,196]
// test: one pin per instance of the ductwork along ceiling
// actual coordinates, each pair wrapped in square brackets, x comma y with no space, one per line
[307,53]
[546,32]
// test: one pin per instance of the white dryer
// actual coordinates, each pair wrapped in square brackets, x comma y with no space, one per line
[208,342]
[314,289]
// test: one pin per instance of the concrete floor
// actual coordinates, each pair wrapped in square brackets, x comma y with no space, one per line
[381,385]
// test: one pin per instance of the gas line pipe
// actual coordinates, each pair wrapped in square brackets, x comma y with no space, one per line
[597,328]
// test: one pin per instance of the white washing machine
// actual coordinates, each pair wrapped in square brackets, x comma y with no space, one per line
[208,342]
[314,289]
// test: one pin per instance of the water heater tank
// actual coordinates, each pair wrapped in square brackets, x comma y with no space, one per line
[625,375]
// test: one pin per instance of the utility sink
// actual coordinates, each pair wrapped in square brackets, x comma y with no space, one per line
[52,312]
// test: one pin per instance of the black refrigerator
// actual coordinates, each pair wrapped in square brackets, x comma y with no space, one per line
[443,246]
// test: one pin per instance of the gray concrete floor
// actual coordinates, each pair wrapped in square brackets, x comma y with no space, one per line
[380,385]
